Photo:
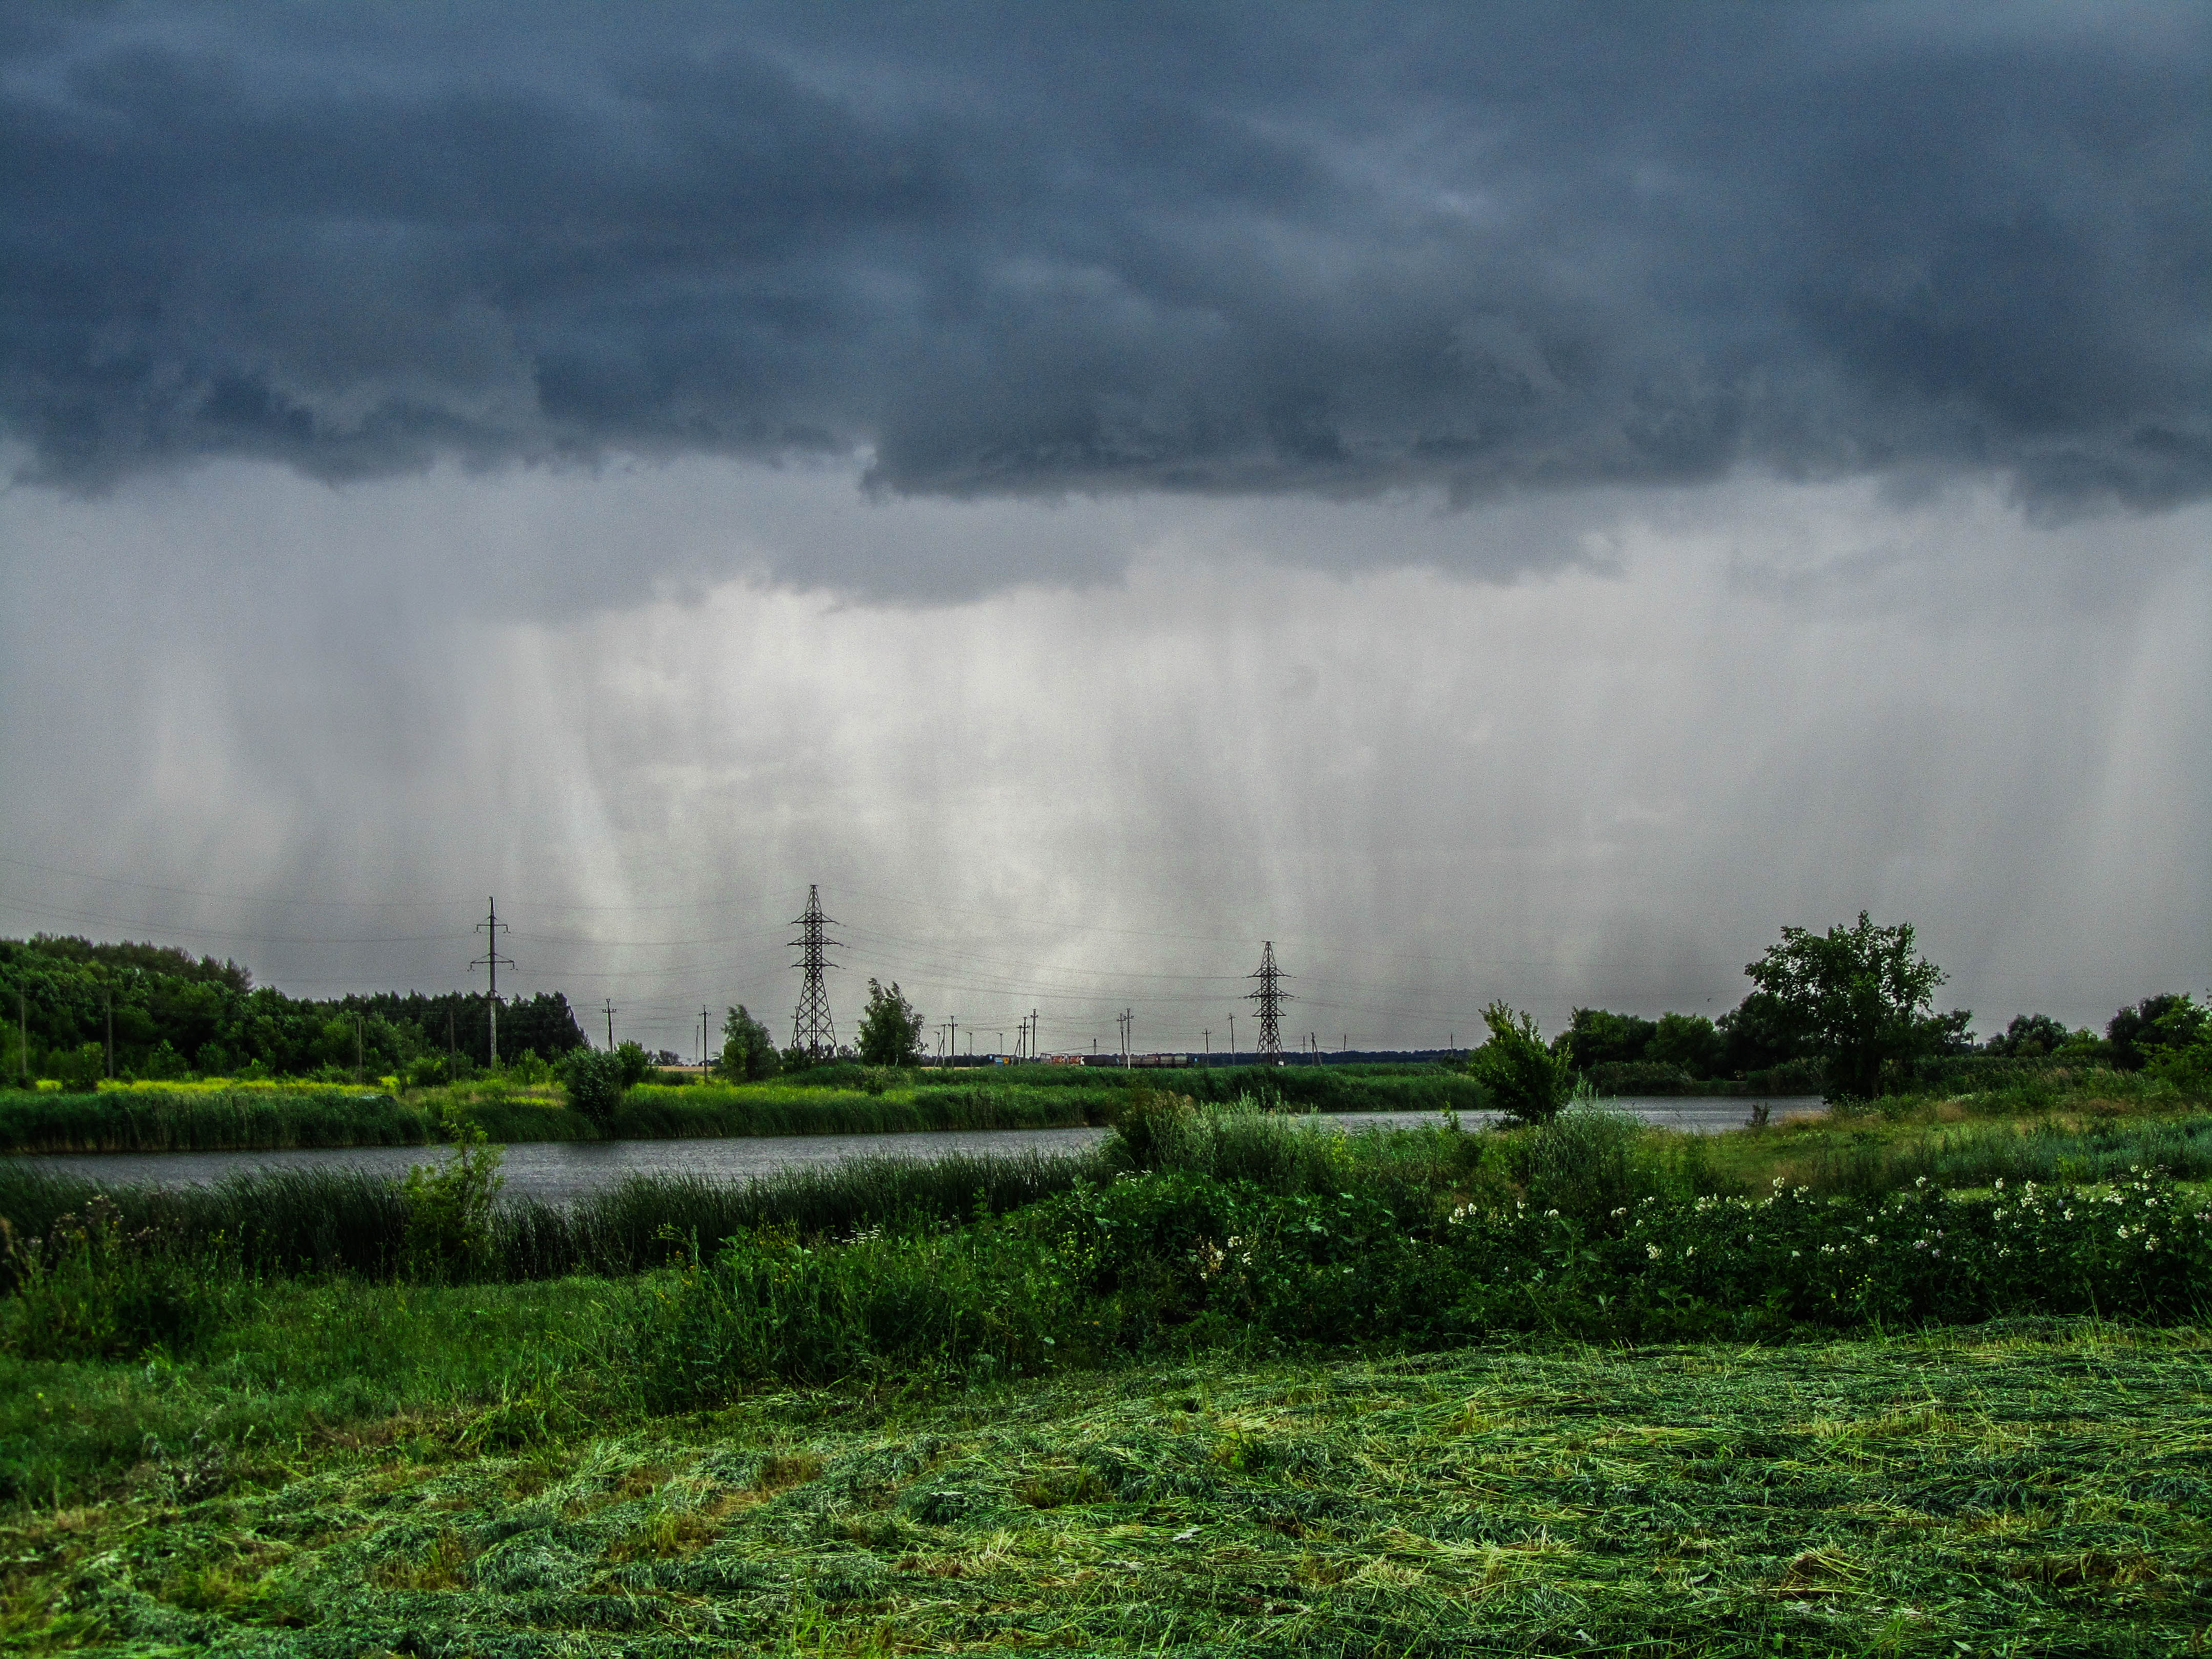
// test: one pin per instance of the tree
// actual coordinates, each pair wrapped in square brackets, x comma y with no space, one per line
[1598,1036]
[1760,1033]
[749,1054]
[593,1078]
[1524,1079]
[1861,995]
[2170,1021]
[2031,1036]
[1689,1041]
[890,1028]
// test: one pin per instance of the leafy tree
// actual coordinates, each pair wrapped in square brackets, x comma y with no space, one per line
[2169,1021]
[1762,1032]
[593,1078]
[2030,1036]
[749,1053]
[1689,1041]
[1862,994]
[1525,1080]
[890,1028]
[1598,1036]
[637,1064]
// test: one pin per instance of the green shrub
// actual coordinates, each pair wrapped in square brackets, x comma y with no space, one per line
[1581,1163]
[88,1288]
[593,1078]
[449,1207]
[1525,1081]
[637,1064]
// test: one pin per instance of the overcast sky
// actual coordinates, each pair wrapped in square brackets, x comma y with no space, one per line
[1520,502]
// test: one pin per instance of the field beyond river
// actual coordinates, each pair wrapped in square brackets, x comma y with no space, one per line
[1930,1377]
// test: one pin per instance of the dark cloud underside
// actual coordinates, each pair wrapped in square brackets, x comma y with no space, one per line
[1038,249]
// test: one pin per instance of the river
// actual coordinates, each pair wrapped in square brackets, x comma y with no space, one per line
[555,1172]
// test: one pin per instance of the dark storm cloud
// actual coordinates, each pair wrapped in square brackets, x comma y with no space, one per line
[1032,250]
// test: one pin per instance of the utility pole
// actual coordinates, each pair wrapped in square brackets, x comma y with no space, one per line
[611,1011]
[491,927]
[1271,997]
[1232,1039]
[704,1017]
[1209,1048]
[1036,1043]
[1124,1019]
[812,1031]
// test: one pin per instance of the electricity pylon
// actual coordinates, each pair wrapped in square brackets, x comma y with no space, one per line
[812,1031]
[1271,997]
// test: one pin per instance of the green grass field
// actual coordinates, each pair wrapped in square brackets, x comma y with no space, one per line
[2039,1489]
[1232,1383]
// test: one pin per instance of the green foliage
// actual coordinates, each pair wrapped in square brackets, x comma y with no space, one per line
[1642,1077]
[449,1207]
[890,1028]
[89,1288]
[749,1053]
[208,1120]
[594,1080]
[1863,996]
[81,1068]
[2155,1027]
[1523,1079]
[2030,1036]
[1691,1042]
[1581,1163]
[637,1064]
[174,1016]
[1598,1036]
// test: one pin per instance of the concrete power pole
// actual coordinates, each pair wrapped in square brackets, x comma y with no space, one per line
[611,1011]
[491,927]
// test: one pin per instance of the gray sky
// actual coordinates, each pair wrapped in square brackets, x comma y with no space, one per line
[1518,503]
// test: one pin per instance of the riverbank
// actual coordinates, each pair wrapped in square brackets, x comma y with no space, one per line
[843,1100]
[1227,1381]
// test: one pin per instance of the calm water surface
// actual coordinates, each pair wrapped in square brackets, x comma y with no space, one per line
[557,1171]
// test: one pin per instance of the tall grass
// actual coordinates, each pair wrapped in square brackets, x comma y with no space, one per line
[196,1119]
[322,1221]
[1978,1155]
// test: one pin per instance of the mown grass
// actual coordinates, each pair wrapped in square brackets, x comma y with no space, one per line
[2033,1488]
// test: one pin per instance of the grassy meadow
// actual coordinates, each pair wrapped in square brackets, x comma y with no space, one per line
[1932,1379]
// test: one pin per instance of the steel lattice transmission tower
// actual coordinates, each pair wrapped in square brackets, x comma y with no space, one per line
[1271,997]
[812,1031]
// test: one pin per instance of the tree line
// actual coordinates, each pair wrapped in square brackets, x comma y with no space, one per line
[76,1012]
[1850,1012]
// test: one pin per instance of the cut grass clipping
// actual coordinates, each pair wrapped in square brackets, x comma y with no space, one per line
[2036,1489]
